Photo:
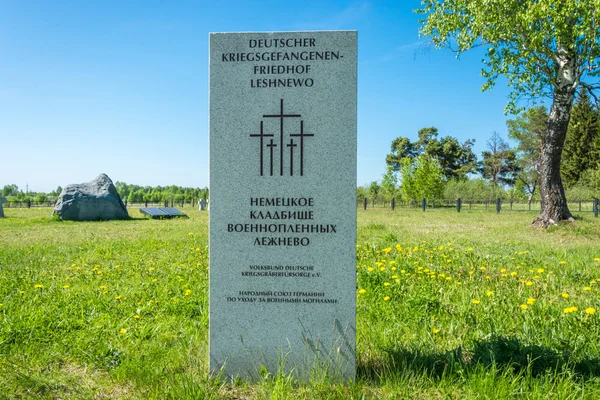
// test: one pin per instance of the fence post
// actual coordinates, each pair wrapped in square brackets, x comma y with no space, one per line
[579,205]
[166,203]
[596,207]
[365,203]
[28,203]
[423,204]
[470,204]
[146,204]
[393,204]
[511,201]
[125,203]
[458,204]
[486,204]
[498,205]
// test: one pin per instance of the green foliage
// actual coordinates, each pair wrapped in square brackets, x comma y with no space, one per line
[528,42]
[582,145]
[422,177]
[473,189]
[140,194]
[362,192]
[389,184]
[374,189]
[10,190]
[456,159]
[499,164]
[528,129]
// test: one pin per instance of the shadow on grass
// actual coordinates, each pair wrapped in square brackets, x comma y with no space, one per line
[498,351]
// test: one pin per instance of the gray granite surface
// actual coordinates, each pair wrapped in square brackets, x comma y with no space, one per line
[91,201]
[283,203]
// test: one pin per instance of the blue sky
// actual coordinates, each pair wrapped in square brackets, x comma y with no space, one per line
[121,87]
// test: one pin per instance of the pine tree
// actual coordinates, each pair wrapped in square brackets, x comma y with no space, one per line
[581,151]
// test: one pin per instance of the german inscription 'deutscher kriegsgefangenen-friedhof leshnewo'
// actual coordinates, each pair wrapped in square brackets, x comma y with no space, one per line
[282,203]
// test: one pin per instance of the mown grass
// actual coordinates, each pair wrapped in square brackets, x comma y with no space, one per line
[469,305]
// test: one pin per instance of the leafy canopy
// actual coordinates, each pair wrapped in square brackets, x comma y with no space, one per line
[530,42]
[456,159]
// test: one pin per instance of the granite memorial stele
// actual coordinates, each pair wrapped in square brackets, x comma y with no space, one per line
[283,203]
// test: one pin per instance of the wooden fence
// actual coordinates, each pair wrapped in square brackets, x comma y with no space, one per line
[459,205]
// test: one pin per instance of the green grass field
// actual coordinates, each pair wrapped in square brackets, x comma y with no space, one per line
[469,305]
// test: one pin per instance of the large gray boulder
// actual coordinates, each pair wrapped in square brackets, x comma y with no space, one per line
[91,201]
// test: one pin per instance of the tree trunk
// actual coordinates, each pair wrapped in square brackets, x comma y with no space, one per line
[554,201]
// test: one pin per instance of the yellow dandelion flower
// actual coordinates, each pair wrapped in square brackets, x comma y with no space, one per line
[116,266]
[513,273]
[503,270]
[528,283]
[587,288]
[569,310]
[386,284]
[435,331]
[523,306]
[597,259]
[565,295]
[123,331]
[66,286]
[530,300]
[482,268]
[370,269]
[191,234]
[394,268]
[394,276]
[362,291]
[386,298]
[504,275]
[119,297]
[490,293]
[562,262]
[102,287]
[540,270]
[589,310]
[475,301]
[403,271]
[1,304]
[188,292]
[137,316]
[382,269]
[392,262]
[38,286]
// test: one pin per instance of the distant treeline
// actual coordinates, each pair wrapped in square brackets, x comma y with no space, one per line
[129,193]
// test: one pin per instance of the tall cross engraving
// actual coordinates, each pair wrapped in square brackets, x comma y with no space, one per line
[302,135]
[262,137]
[291,145]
